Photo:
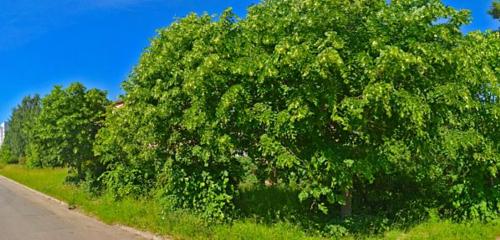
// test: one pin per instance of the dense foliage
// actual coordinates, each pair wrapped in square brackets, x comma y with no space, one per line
[20,129]
[384,103]
[495,9]
[66,128]
[359,106]
[170,131]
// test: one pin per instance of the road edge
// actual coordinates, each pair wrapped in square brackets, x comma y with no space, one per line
[143,234]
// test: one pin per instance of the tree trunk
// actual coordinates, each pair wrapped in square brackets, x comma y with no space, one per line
[273,179]
[346,209]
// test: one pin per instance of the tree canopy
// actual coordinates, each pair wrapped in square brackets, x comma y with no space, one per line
[378,101]
[66,128]
[495,9]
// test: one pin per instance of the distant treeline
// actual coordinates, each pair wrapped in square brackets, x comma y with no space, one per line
[360,107]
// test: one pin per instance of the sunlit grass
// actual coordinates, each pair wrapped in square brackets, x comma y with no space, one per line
[449,230]
[144,214]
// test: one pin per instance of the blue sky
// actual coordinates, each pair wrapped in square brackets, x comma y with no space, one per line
[97,42]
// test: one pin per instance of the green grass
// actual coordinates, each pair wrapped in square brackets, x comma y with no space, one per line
[150,216]
[449,230]
[143,214]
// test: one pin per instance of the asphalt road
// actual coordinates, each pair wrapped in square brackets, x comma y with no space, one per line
[25,215]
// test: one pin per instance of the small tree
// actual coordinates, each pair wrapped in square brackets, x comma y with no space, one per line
[20,131]
[66,129]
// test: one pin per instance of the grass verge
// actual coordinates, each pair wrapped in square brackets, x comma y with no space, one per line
[145,214]
[150,216]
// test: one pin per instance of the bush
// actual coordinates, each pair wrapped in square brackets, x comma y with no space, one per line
[5,155]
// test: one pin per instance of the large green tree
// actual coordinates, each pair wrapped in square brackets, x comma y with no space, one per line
[169,131]
[355,103]
[20,129]
[66,129]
